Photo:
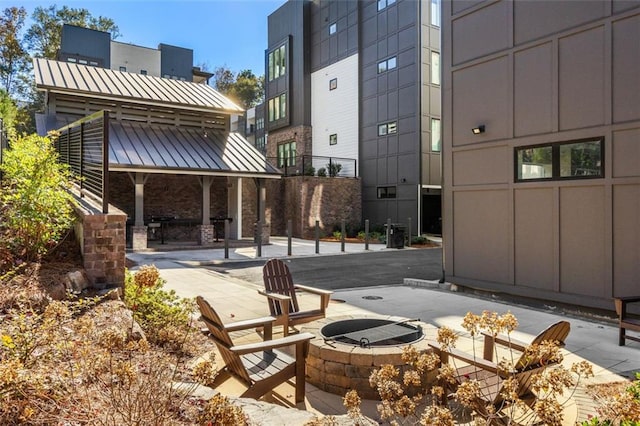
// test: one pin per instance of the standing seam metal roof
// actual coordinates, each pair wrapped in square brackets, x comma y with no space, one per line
[173,149]
[75,78]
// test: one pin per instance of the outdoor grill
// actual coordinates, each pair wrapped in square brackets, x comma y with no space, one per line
[368,332]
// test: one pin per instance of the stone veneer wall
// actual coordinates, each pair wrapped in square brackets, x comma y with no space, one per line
[102,243]
[305,199]
[300,134]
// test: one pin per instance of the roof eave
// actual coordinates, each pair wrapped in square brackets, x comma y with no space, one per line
[93,95]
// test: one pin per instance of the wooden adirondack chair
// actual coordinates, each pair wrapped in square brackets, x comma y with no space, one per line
[486,371]
[258,365]
[281,294]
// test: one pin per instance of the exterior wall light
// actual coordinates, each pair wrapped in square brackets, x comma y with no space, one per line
[478,130]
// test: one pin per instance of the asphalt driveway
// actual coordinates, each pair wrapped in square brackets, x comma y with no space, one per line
[355,270]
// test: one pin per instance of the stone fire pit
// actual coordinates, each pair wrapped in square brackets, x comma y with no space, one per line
[343,355]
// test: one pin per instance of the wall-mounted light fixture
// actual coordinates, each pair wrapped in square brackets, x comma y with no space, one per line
[478,130]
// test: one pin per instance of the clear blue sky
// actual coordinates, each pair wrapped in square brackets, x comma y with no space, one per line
[232,33]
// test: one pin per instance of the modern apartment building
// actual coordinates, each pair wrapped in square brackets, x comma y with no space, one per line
[95,48]
[541,125]
[358,83]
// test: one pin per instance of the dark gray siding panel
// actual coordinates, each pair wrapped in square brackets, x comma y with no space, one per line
[86,43]
[176,62]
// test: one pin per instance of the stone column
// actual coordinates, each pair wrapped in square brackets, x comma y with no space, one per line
[139,237]
[206,234]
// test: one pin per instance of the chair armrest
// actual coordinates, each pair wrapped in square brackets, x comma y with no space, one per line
[313,290]
[272,344]
[481,363]
[250,323]
[276,296]
[506,341]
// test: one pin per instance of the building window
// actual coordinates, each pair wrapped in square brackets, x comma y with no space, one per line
[72,60]
[143,72]
[277,62]
[387,128]
[93,63]
[83,61]
[287,154]
[382,4]
[277,107]
[333,28]
[386,192]
[387,64]
[561,160]
[260,123]
[123,69]
[435,12]
[435,68]
[333,139]
[333,84]
[260,145]
[435,135]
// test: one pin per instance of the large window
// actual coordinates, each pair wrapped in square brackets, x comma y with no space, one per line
[435,135]
[287,154]
[277,107]
[435,68]
[277,62]
[561,160]
[333,28]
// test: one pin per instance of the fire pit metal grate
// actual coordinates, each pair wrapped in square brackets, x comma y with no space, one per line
[372,332]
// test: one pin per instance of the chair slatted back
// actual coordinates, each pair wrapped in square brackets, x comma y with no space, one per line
[277,279]
[557,332]
[222,339]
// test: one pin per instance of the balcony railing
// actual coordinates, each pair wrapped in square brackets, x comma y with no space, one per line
[313,165]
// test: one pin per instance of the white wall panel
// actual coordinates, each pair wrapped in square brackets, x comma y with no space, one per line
[135,58]
[335,111]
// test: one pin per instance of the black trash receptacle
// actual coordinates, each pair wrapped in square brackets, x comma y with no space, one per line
[396,236]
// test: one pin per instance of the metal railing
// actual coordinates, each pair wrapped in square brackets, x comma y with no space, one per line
[84,146]
[314,165]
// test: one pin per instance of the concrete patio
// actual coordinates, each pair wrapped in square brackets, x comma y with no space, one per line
[591,339]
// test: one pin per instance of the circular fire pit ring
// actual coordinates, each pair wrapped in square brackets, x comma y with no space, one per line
[337,366]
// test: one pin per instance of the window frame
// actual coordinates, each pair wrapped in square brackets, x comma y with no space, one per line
[277,107]
[333,139]
[388,128]
[435,73]
[383,193]
[286,151]
[556,160]
[388,64]
[277,62]
[439,144]
[436,11]
[333,28]
[333,83]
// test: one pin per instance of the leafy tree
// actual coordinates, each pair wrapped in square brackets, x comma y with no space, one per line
[44,36]
[14,59]
[8,113]
[244,88]
[36,202]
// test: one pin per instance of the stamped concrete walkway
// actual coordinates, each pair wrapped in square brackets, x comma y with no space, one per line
[591,340]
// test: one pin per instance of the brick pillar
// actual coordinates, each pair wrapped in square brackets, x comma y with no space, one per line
[104,247]
[138,237]
[206,234]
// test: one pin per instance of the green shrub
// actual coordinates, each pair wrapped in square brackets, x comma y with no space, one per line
[164,317]
[322,172]
[419,239]
[334,169]
[309,170]
[361,235]
[337,235]
[36,203]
